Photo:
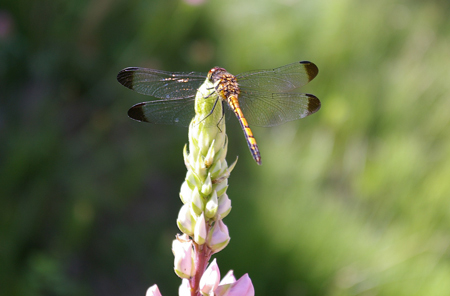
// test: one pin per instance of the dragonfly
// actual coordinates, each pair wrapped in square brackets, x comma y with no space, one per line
[260,97]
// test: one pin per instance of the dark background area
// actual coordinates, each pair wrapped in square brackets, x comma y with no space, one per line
[354,200]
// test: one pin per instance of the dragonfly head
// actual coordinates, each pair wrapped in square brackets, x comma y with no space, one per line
[215,74]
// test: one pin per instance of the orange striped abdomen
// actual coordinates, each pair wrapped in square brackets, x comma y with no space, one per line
[233,102]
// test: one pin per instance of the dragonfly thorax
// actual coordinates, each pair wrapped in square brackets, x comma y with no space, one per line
[226,84]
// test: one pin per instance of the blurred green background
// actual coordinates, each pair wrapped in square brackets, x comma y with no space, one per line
[354,200]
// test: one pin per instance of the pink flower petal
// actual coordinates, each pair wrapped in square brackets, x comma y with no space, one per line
[228,278]
[185,288]
[243,287]
[153,291]
[210,279]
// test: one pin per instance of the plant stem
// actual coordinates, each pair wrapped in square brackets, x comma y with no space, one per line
[202,254]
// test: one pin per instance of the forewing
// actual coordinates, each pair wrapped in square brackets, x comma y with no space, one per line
[278,80]
[270,109]
[161,84]
[172,111]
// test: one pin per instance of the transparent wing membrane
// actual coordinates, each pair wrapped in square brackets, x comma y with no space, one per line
[270,109]
[278,80]
[161,84]
[177,112]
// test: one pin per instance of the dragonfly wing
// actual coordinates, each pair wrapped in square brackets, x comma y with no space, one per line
[173,111]
[270,109]
[161,84]
[282,79]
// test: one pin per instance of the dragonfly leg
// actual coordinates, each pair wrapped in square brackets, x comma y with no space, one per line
[223,115]
[212,109]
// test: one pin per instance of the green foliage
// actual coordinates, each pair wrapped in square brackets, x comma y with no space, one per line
[354,200]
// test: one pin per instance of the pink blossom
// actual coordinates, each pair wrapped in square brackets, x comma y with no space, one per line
[153,291]
[210,279]
[209,283]
[185,288]
[228,278]
[182,248]
[218,237]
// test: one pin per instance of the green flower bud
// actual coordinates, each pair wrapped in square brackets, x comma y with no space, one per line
[200,230]
[184,258]
[197,202]
[222,187]
[224,206]
[209,158]
[207,186]
[185,221]
[218,237]
[211,206]
[185,193]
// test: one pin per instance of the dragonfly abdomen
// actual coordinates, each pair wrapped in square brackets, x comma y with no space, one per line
[233,102]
